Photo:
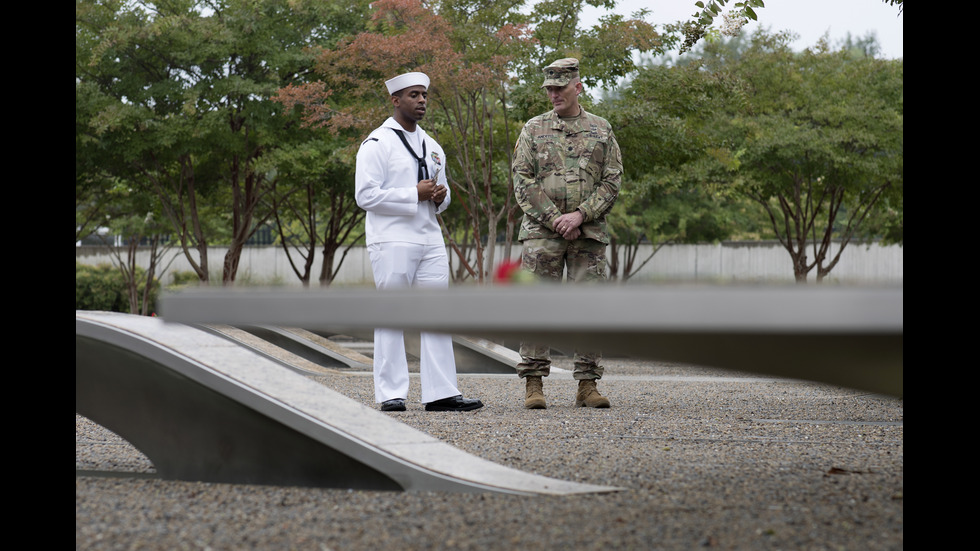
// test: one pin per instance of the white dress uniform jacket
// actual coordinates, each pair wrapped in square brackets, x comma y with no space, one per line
[407,249]
[385,186]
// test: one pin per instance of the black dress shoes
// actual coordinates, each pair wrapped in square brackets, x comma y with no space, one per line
[454,403]
[393,405]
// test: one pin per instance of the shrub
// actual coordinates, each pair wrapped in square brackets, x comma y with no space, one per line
[185,278]
[102,287]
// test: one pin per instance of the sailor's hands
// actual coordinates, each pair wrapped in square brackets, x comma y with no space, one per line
[439,195]
[429,191]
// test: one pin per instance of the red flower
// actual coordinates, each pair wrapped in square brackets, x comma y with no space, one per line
[507,271]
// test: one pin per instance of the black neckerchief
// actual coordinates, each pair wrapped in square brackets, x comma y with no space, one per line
[423,169]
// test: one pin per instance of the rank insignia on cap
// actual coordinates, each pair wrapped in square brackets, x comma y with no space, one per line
[561,72]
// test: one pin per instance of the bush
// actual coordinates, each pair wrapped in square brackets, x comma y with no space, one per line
[102,287]
[185,278]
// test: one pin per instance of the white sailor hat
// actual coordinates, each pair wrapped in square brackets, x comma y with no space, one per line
[408,79]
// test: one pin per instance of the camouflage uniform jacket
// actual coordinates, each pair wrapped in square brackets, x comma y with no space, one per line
[561,165]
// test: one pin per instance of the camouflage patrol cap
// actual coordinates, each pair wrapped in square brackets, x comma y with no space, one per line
[560,72]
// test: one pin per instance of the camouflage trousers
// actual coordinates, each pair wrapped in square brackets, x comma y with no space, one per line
[578,261]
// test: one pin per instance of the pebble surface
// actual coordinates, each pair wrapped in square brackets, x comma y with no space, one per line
[706,459]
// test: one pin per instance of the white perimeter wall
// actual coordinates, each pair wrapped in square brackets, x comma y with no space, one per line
[747,262]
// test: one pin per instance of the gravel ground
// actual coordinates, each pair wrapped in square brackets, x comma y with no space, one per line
[706,459]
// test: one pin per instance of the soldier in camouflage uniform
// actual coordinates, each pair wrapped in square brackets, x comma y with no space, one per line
[567,168]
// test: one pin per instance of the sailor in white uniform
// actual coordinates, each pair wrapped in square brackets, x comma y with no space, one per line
[400,181]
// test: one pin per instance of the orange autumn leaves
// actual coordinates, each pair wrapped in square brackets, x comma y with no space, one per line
[404,36]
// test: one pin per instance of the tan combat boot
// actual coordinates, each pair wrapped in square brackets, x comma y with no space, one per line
[588,395]
[534,393]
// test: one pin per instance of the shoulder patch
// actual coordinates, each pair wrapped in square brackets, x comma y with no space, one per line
[369,140]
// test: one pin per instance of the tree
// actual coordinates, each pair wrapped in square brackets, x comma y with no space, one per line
[130,217]
[470,50]
[660,121]
[742,11]
[184,88]
[813,140]
[312,204]
[92,181]
[816,140]
[139,233]
[740,14]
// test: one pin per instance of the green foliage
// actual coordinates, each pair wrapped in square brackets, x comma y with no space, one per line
[701,23]
[175,122]
[753,139]
[103,288]
[313,201]
[660,121]
[816,141]
[605,51]
[820,118]
[184,278]
[173,100]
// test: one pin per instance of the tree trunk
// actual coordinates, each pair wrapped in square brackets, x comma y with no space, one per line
[800,269]
[151,271]
[327,273]
[613,259]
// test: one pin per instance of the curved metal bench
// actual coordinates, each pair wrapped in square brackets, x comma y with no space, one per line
[205,409]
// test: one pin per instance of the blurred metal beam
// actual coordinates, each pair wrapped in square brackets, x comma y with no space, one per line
[848,336]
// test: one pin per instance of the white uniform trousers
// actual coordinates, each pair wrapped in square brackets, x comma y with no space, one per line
[400,265]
